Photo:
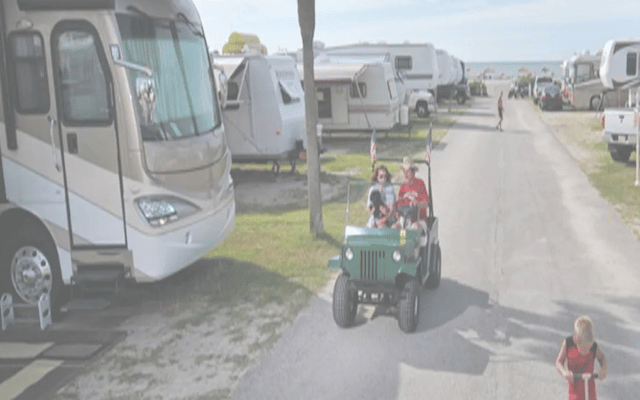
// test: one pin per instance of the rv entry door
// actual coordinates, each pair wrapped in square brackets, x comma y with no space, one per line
[86,125]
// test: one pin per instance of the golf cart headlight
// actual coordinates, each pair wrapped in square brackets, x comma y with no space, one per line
[348,254]
[161,210]
[397,256]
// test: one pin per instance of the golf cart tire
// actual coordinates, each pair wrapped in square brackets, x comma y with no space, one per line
[433,281]
[409,306]
[344,304]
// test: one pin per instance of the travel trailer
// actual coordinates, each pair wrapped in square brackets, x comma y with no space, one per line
[355,96]
[264,115]
[414,65]
[447,75]
[619,67]
[581,84]
[113,160]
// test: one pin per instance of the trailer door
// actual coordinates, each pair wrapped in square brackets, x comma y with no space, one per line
[89,141]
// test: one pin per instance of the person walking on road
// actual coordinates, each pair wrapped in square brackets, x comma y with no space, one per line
[580,352]
[500,112]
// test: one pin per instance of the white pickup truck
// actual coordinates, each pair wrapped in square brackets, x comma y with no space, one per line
[620,131]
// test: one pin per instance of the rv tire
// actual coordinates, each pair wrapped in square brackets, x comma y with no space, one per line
[29,267]
[422,109]
[594,103]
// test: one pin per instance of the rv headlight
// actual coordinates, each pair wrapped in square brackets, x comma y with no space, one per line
[348,254]
[161,210]
[397,256]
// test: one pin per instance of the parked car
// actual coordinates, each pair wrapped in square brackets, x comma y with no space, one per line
[538,84]
[550,98]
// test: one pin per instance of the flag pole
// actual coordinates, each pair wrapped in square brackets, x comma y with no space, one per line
[428,159]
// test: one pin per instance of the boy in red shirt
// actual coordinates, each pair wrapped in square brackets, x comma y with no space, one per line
[413,192]
[580,351]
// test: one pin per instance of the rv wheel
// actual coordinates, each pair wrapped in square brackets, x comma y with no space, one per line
[594,103]
[422,109]
[275,168]
[29,267]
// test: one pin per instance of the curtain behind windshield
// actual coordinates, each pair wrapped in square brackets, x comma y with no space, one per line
[185,103]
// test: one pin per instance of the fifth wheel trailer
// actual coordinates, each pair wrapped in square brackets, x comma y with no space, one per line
[113,156]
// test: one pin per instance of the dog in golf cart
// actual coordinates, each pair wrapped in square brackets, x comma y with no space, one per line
[387,266]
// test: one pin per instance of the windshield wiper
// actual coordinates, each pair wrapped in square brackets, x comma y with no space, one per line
[194,28]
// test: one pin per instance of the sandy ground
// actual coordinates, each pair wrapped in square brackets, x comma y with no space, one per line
[197,350]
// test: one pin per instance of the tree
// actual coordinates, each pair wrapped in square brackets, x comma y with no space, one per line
[307,21]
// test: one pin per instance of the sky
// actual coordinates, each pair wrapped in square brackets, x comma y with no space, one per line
[472,30]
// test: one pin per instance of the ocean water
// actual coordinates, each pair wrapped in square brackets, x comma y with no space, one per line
[509,69]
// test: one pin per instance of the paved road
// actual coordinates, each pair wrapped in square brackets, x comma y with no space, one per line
[528,245]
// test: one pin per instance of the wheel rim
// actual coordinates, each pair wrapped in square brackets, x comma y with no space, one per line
[31,274]
[415,307]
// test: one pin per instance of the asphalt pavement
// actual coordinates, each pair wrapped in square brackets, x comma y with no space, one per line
[527,246]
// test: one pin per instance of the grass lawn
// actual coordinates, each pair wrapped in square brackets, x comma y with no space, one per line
[271,254]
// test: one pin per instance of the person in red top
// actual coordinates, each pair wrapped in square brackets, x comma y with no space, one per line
[500,112]
[580,352]
[413,192]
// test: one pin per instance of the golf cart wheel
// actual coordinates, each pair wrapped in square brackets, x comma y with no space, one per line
[29,267]
[436,271]
[345,305]
[422,109]
[409,306]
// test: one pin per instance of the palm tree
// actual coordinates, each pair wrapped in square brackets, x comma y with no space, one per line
[307,21]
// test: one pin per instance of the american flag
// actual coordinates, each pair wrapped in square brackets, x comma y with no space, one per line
[372,148]
[428,151]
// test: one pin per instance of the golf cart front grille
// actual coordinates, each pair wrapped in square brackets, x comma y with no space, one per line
[369,264]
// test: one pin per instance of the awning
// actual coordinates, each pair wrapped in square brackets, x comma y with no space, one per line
[228,64]
[335,73]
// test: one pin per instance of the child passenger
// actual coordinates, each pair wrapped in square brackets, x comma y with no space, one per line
[580,352]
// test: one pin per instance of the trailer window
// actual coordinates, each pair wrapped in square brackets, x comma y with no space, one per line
[232,91]
[85,100]
[404,62]
[632,64]
[355,86]
[288,94]
[29,73]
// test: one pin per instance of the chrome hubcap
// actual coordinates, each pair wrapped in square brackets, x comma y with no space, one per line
[30,274]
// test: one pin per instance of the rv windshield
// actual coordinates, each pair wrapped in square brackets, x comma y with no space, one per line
[185,104]
[581,73]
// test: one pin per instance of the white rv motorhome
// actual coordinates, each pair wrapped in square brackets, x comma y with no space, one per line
[355,96]
[113,155]
[415,67]
[264,115]
[581,84]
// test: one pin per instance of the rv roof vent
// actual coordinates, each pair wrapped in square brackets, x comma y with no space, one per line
[318,45]
[406,42]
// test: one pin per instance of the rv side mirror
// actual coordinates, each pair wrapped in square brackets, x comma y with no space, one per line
[146,95]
